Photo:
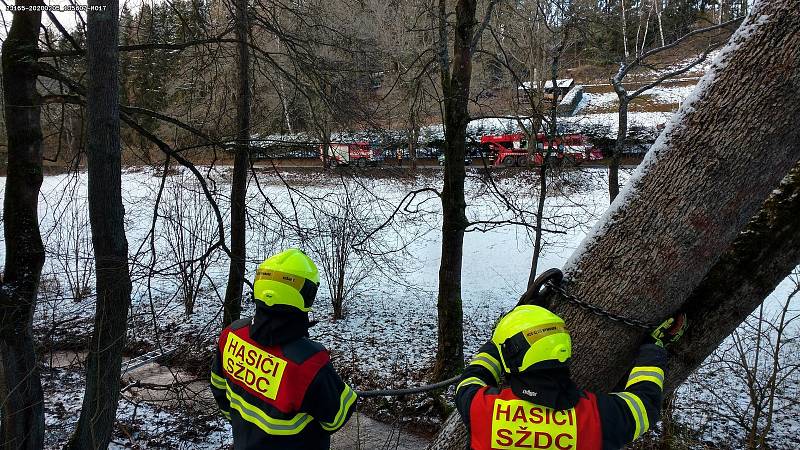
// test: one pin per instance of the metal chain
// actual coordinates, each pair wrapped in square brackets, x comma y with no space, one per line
[636,323]
[552,285]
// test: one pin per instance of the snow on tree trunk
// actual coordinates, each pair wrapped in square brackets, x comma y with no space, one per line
[705,177]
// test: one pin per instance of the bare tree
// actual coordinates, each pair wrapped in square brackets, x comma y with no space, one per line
[531,43]
[20,386]
[624,27]
[758,360]
[68,242]
[455,77]
[408,75]
[625,97]
[189,231]
[238,253]
[341,220]
[106,215]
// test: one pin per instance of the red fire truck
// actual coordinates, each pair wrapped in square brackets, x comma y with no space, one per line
[358,153]
[511,150]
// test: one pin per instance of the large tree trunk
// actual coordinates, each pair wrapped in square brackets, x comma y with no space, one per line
[233,293]
[20,386]
[699,186]
[106,216]
[455,87]
[763,255]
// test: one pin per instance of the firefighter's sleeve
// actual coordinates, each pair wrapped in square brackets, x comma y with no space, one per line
[329,400]
[483,370]
[219,386]
[625,416]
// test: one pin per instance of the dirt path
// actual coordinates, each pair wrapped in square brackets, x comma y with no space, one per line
[360,432]
[156,384]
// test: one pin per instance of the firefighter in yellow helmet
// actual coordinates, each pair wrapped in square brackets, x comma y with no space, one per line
[277,386]
[541,407]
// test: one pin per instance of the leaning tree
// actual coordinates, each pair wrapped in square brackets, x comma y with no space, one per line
[674,237]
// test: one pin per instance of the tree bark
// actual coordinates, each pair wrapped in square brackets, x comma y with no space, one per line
[455,88]
[763,255]
[106,216]
[537,239]
[699,186]
[233,292]
[413,137]
[20,386]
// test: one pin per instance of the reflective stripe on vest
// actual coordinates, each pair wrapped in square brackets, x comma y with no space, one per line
[489,363]
[646,373]
[346,400]
[638,412]
[501,421]
[270,425]
[470,381]
[256,416]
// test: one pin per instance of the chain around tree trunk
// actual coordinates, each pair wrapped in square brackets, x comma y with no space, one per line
[636,323]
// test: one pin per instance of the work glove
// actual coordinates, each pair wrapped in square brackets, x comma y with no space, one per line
[669,331]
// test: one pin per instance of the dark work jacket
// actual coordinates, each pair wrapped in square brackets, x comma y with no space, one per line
[277,386]
[623,416]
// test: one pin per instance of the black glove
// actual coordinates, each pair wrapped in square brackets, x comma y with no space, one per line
[669,331]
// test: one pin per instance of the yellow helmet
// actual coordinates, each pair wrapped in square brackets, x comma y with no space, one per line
[289,278]
[531,335]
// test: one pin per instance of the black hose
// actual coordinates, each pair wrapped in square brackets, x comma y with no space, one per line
[406,391]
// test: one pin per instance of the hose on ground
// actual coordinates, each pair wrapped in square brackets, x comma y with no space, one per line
[407,391]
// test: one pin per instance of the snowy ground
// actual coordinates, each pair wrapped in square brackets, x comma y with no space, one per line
[671,94]
[388,337]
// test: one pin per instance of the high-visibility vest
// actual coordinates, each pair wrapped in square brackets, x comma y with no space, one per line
[499,420]
[271,378]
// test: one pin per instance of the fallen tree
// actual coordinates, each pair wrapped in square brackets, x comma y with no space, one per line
[763,255]
[701,183]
